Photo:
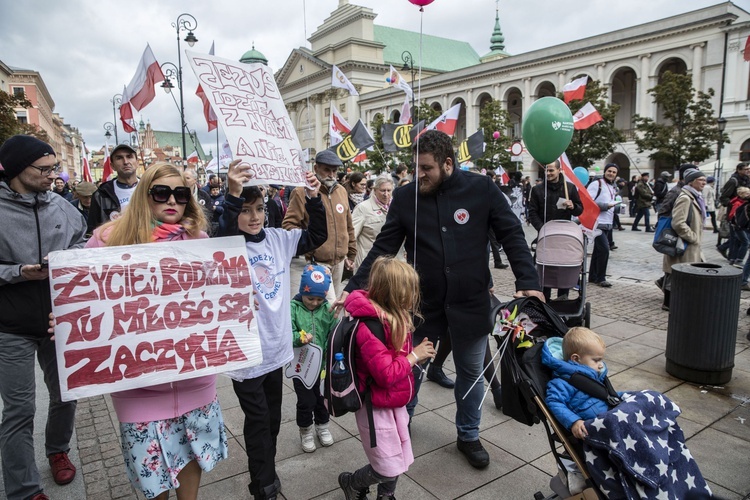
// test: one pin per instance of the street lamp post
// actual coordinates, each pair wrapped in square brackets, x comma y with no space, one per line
[116,101]
[109,126]
[721,123]
[187,24]
[409,66]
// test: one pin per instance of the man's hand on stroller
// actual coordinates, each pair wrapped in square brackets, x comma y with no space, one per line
[529,293]
[578,429]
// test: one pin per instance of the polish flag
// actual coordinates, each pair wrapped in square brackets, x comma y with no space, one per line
[86,170]
[193,158]
[405,112]
[503,175]
[586,117]
[126,113]
[337,126]
[447,121]
[141,90]
[211,119]
[590,208]
[575,89]
[107,167]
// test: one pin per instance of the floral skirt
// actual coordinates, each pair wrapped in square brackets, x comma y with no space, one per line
[155,452]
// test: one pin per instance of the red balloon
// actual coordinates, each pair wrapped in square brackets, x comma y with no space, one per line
[421,3]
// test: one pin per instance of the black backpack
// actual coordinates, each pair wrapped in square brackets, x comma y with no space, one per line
[341,391]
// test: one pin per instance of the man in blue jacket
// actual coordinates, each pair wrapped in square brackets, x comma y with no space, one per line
[446,241]
[35,223]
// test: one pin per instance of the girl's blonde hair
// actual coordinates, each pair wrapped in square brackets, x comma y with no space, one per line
[137,222]
[579,340]
[394,289]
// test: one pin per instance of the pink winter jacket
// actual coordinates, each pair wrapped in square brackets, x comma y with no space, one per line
[162,401]
[392,383]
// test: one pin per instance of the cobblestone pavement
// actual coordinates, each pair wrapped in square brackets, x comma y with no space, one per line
[716,420]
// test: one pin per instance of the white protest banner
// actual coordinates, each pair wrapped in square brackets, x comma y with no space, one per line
[140,315]
[249,108]
[306,364]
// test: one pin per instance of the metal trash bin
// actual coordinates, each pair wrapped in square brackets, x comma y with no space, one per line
[702,330]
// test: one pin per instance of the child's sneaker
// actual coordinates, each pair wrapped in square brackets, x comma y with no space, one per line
[307,436]
[324,434]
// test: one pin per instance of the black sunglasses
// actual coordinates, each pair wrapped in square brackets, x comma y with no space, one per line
[161,194]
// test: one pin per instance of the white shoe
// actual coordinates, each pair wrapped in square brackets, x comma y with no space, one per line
[307,436]
[324,435]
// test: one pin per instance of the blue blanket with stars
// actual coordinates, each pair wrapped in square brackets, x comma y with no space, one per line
[637,450]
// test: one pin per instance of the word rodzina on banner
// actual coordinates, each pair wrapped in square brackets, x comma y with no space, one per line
[140,315]
[249,108]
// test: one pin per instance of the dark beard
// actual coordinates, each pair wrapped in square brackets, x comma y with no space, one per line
[432,189]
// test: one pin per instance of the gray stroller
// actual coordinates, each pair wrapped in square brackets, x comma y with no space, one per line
[561,263]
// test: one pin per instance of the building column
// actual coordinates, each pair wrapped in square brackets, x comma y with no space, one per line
[496,91]
[470,113]
[353,104]
[643,84]
[526,94]
[292,115]
[445,102]
[600,74]
[561,80]
[697,65]
[319,146]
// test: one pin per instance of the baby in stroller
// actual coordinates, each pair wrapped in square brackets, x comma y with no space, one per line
[632,444]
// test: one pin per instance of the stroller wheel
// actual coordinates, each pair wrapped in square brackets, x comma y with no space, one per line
[587,315]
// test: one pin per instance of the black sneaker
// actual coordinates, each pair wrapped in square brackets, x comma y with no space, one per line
[436,374]
[474,452]
[345,482]
[500,265]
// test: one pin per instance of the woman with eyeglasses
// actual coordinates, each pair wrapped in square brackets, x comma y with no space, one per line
[169,433]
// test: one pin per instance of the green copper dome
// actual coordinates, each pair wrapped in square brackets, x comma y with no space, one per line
[497,41]
[253,56]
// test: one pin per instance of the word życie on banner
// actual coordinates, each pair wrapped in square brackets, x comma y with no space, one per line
[139,315]
[248,105]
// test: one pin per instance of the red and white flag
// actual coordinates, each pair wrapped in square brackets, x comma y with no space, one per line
[193,158]
[211,119]
[575,89]
[126,113]
[86,170]
[746,52]
[590,208]
[339,80]
[586,117]
[141,90]
[107,167]
[503,175]
[405,111]
[337,126]
[447,121]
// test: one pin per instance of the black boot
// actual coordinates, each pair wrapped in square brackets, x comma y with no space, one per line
[350,491]
[474,452]
[435,373]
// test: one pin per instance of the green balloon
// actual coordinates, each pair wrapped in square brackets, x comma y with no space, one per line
[547,129]
[597,168]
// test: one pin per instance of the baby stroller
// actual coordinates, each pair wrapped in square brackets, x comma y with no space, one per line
[527,322]
[561,263]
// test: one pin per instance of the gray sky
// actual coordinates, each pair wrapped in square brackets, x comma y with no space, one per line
[87,50]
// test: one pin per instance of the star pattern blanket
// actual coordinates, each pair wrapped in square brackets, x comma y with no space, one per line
[637,450]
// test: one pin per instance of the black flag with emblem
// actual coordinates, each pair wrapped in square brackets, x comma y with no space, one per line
[472,148]
[400,135]
[358,140]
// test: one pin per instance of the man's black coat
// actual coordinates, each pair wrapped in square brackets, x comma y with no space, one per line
[451,251]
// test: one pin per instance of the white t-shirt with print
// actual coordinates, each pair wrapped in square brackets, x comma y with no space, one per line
[270,262]
[123,194]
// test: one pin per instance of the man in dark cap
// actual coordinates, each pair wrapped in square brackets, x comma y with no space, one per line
[113,196]
[340,248]
[35,223]
[82,194]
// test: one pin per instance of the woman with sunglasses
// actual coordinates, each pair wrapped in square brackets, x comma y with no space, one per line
[170,433]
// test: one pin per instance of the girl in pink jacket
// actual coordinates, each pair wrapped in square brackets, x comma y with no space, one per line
[392,298]
[170,433]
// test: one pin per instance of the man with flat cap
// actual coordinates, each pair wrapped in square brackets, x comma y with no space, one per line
[113,196]
[35,223]
[340,248]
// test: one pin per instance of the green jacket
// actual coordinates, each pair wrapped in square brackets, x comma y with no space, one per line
[317,322]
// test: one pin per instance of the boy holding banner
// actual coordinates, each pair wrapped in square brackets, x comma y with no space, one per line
[269,251]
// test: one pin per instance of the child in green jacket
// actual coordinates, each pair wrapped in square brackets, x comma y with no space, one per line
[312,319]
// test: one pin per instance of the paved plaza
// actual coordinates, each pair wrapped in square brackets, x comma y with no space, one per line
[715,420]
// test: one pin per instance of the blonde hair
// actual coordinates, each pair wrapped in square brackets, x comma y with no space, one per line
[578,340]
[137,222]
[394,289]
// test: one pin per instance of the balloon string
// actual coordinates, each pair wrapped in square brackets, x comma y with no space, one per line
[416,156]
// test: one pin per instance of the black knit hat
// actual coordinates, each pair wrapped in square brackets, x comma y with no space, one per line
[20,151]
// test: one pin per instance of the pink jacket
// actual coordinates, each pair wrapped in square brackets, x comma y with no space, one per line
[392,383]
[162,401]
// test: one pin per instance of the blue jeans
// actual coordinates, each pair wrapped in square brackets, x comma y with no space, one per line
[642,213]
[738,243]
[468,356]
